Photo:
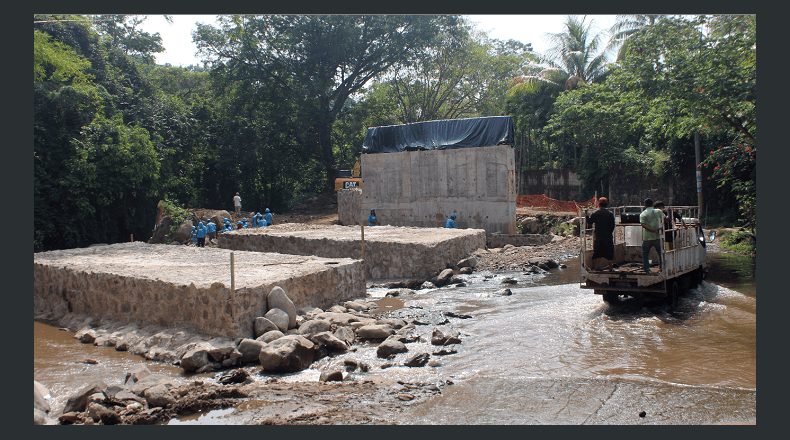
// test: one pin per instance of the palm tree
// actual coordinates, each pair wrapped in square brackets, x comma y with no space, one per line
[575,57]
[626,27]
[577,53]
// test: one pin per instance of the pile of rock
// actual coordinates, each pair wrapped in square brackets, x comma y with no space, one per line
[143,398]
[528,259]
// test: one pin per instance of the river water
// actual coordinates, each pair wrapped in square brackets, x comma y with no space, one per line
[548,331]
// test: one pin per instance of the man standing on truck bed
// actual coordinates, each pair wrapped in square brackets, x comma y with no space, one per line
[603,243]
[650,219]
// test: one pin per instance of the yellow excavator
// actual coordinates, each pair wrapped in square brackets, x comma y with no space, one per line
[349,178]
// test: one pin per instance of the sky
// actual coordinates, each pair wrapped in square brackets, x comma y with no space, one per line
[180,51]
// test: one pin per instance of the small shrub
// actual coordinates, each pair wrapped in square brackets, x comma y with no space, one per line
[742,242]
[176,213]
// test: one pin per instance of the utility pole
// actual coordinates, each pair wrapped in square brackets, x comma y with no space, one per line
[699,170]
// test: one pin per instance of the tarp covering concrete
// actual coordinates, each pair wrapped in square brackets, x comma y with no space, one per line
[440,135]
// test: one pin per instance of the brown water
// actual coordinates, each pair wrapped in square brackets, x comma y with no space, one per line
[58,363]
[548,329]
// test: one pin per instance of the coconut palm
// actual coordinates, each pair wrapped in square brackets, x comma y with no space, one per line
[626,27]
[577,53]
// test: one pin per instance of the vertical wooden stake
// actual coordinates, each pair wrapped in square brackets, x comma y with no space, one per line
[363,240]
[232,286]
[132,238]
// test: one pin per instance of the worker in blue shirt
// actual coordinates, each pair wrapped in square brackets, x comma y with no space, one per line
[193,235]
[268,218]
[201,235]
[256,220]
[211,228]
[244,222]
[451,222]
[372,220]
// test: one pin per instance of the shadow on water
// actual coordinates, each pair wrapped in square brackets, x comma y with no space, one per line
[736,272]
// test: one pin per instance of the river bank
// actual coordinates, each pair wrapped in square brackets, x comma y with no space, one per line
[363,396]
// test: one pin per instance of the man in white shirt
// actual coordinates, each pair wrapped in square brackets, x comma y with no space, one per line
[237,203]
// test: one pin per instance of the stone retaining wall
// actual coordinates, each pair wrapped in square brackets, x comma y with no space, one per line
[349,207]
[184,286]
[499,240]
[391,252]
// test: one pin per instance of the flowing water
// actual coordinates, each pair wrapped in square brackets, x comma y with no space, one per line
[549,329]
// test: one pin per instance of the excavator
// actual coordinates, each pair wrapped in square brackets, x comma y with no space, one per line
[349,178]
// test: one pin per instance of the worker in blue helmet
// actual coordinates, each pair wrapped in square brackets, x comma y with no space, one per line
[268,219]
[256,220]
[211,228]
[202,230]
[451,222]
[193,235]
[372,219]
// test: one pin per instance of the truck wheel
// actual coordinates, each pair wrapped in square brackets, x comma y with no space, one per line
[673,294]
[611,298]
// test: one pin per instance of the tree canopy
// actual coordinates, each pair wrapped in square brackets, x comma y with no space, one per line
[283,101]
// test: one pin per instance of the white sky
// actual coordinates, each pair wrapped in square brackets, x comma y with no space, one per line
[180,51]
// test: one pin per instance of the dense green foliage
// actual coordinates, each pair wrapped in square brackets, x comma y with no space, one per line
[742,242]
[282,102]
[676,76]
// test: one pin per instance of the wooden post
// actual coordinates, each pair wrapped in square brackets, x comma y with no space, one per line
[232,286]
[363,240]
[132,238]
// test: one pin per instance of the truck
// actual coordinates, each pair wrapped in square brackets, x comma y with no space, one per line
[682,252]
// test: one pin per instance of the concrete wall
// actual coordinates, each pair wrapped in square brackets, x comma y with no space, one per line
[349,207]
[185,287]
[422,188]
[390,252]
[557,184]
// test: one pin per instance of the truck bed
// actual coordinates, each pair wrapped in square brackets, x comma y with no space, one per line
[684,260]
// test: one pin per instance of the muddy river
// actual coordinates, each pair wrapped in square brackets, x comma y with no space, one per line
[549,353]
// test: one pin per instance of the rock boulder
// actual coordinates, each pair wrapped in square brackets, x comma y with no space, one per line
[197,357]
[262,325]
[250,349]
[78,401]
[278,299]
[280,318]
[445,336]
[288,354]
[392,345]
[374,331]
[314,326]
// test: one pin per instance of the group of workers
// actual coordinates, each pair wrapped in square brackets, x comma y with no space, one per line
[650,219]
[373,220]
[202,231]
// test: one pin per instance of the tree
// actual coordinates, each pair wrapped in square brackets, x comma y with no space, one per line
[712,73]
[123,32]
[577,53]
[57,62]
[465,75]
[626,27]
[319,60]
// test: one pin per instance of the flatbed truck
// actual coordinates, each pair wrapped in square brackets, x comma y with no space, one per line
[683,258]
